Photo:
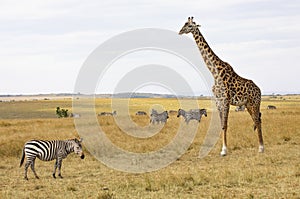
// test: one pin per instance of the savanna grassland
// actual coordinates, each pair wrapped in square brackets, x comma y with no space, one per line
[243,173]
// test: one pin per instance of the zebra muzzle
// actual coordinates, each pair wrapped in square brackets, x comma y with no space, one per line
[82,156]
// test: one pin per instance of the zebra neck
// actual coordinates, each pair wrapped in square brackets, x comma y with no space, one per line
[69,148]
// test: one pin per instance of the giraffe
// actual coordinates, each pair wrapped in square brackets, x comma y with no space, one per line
[229,88]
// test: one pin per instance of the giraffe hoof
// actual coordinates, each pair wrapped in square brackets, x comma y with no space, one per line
[224,151]
[261,149]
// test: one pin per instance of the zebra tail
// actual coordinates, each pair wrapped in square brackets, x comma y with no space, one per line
[23,157]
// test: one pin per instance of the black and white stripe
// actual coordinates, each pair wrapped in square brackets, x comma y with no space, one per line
[240,108]
[49,150]
[141,113]
[193,114]
[158,117]
[108,113]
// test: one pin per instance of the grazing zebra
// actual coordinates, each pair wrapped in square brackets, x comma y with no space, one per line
[141,113]
[193,114]
[108,113]
[158,117]
[75,115]
[271,107]
[49,150]
[240,108]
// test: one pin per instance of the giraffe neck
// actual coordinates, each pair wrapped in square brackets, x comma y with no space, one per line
[212,61]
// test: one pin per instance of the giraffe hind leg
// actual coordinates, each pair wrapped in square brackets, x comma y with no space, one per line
[256,117]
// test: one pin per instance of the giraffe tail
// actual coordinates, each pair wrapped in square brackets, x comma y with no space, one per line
[23,157]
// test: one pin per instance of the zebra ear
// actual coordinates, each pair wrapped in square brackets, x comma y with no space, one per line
[81,139]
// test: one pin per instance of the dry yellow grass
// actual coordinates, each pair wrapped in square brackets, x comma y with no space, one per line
[242,174]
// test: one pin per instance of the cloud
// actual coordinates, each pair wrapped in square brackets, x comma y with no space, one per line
[59,35]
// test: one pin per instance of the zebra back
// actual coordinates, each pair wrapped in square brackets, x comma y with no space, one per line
[192,114]
[159,117]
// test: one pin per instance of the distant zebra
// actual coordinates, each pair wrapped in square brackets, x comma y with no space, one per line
[107,113]
[75,115]
[193,114]
[271,107]
[158,117]
[240,108]
[141,113]
[49,150]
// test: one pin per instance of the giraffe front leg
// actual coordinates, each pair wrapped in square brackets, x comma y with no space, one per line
[223,111]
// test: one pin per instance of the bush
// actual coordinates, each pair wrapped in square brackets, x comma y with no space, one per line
[61,112]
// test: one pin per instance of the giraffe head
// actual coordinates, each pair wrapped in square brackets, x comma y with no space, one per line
[189,26]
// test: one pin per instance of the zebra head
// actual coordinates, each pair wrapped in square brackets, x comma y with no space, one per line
[166,114]
[203,112]
[76,144]
[180,112]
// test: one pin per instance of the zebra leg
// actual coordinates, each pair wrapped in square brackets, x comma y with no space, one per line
[27,164]
[186,120]
[59,168]
[32,168]
[55,166]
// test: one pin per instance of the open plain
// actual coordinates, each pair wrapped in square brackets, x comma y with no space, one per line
[243,173]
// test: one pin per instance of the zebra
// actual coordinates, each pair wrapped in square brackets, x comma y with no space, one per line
[107,113]
[192,114]
[240,108]
[49,150]
[141,113]
[158,117]
[75,115]
[271,107]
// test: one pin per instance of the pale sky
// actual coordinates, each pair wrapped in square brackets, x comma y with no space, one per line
[44,43]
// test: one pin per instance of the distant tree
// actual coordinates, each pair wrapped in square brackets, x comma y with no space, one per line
[61,112]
